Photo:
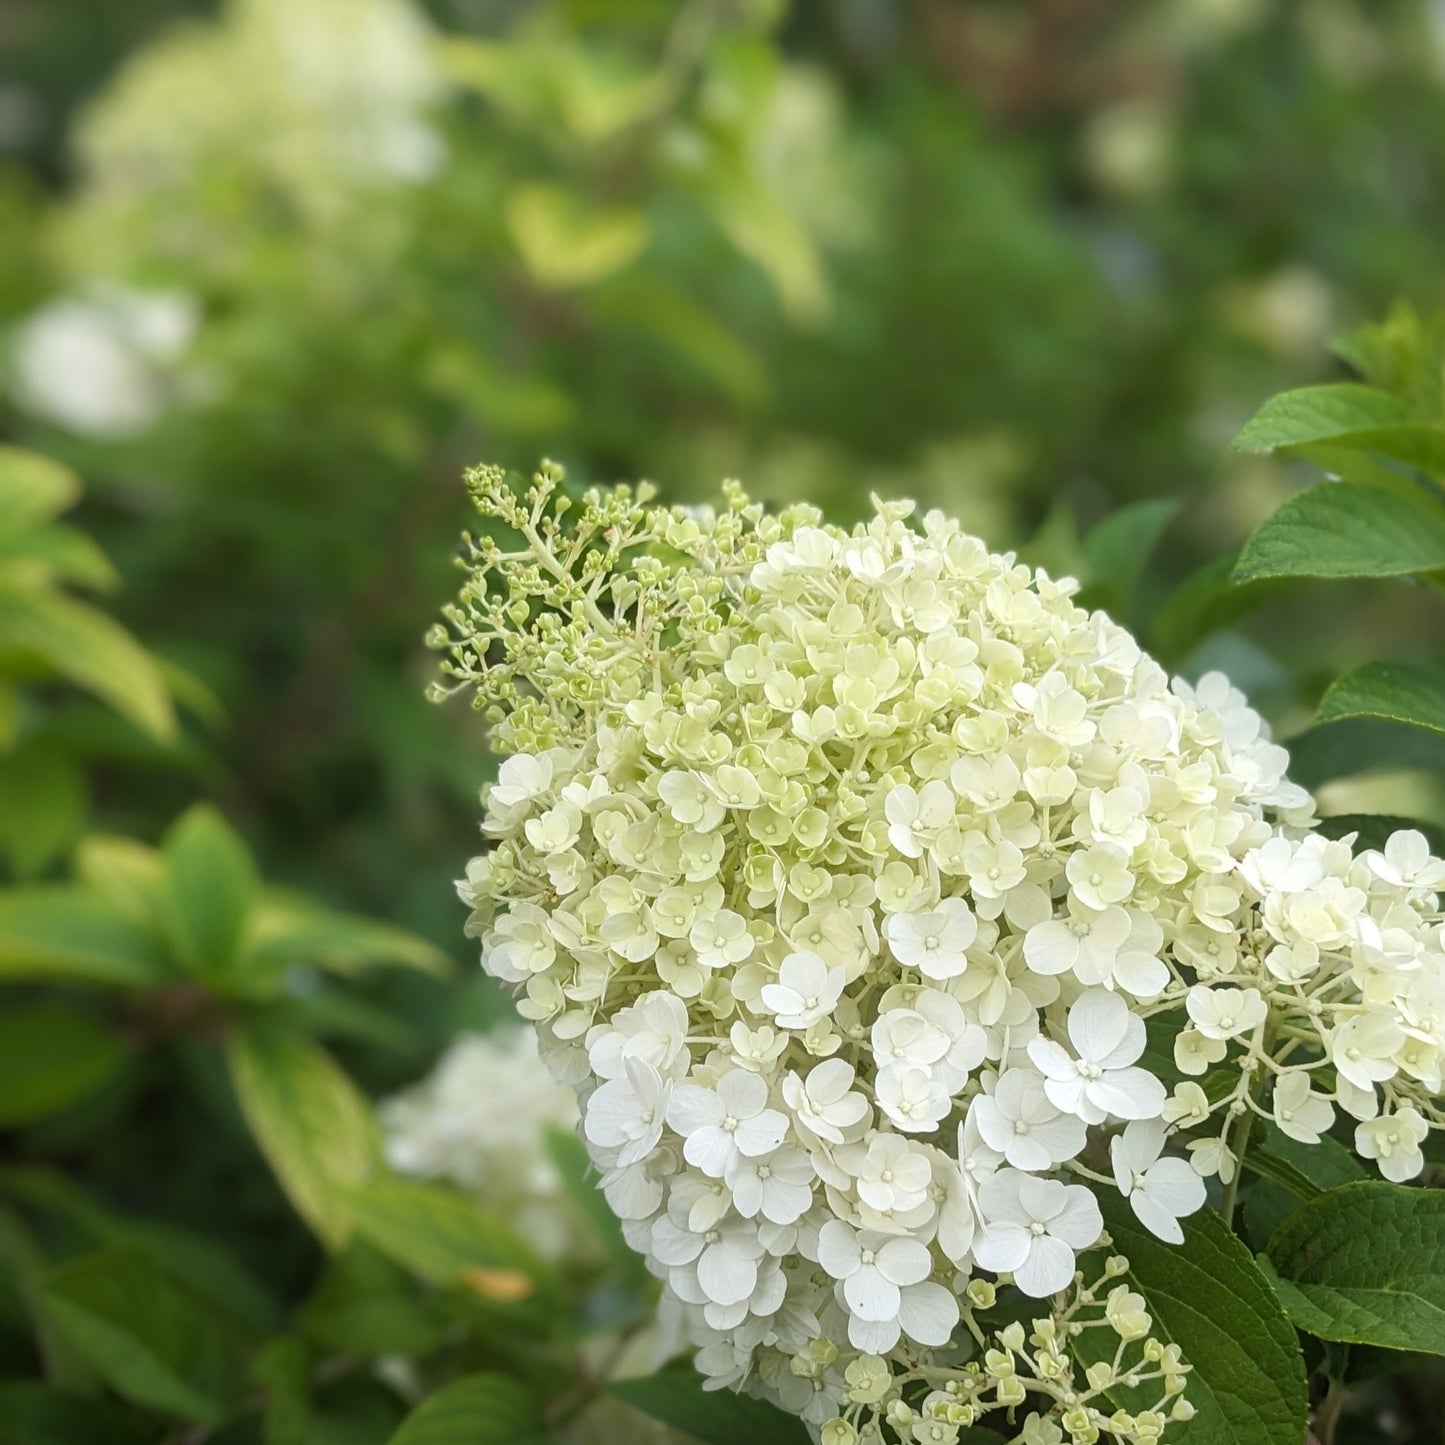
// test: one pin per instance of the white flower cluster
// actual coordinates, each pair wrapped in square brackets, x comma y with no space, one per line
[107,363]
[840,872]
[480,1120]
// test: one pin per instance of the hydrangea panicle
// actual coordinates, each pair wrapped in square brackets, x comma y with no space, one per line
[841,871]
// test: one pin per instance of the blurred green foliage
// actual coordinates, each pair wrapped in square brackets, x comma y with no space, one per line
[273,271]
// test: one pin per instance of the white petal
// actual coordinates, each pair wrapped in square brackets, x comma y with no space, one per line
[870,1296]
[1098,1023]
[727,1276]
[928,1313]
[1048,1268]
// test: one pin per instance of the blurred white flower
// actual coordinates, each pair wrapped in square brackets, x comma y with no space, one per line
[103,364]
[480,1120]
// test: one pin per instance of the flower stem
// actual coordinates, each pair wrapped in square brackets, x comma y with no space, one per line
[1238,1147]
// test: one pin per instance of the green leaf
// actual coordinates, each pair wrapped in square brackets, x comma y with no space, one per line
[150,1339]
[50,1057]
[209,891]
[564,245]
[33,489]
[447,1238]
[1319,414]
[1308,1169]
[477,1410]
[311,1122]
[1365,1264]
[42,807]
[1248,1380]
[1339,529]
[716,1417]
[60,554]
[283,1368]
[579,1179]
[87,648]
[34,1414]
[67,934]
[365,1304]
[1361,745]
[1117,551]
[287,929]
[1392,691]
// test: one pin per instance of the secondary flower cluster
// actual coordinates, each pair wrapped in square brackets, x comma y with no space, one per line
[480,1120]
[840,872]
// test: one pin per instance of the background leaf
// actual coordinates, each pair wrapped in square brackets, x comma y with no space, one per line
[476,1410]
[49,1057]
[312,1124]
[151,1340]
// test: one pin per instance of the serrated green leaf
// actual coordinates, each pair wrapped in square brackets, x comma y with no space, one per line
[446,1237]
[1391,691]
[1209,1297]
[87,648]
[1346,416]
[1317,414]
[1365,1264]
[42,807]
[209,892]
[716,1417]
[65,933]
[477,1410]
[151,1340]
[1340,529]
[311,1122]
[50,1057]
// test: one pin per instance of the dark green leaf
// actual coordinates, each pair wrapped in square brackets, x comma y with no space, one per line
[1209,1297]
[367,1305]
[1117,550]
[312,1123]
[65,933]
[1361,745]
[209,892]
[478,1410]
[1373,830]
[1365,1264]
[283,1368]
[582,1185]
[716,1417]
[154,1342]
[42,807]
[1391,691]
[1339,529]
[33,1414]
[50,1057]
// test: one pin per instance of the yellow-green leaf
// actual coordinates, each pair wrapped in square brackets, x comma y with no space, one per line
[68,933]
[312,1123]
[564,245]
[33,489]
[87,648]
